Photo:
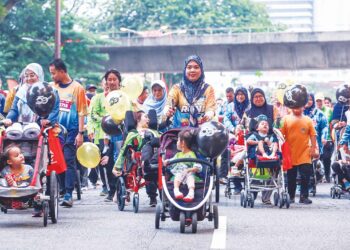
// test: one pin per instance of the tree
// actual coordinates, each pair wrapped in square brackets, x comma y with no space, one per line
[181,14]
[36,20]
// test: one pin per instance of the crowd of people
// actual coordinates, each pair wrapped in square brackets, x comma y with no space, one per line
[190,103]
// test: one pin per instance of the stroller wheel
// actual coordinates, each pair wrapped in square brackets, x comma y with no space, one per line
[45,212]
[158,214]
[332,193]
[242,199]
[281,200]
[182,222]
[121,193]
[251,201]
[216,216]
[287,200]
[314,191]
[135,202]
[194,222]
[275,199]
[54,196]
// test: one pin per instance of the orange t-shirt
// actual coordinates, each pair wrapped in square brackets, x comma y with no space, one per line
[298,132]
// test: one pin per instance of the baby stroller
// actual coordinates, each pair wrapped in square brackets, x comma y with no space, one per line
[187,213]
[337,190]
[132,178]
[264,175]
[36,154]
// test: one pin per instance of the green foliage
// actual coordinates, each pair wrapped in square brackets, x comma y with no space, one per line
[182,14]
[36,20]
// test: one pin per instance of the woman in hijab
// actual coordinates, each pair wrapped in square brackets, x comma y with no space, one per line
[192,102]
[157,99]
[237,109]
[20,111]
[259,105]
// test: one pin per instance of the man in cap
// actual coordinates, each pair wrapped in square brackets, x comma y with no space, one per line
[90,91]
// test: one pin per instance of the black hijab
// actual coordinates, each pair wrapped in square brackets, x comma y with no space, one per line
[265,109]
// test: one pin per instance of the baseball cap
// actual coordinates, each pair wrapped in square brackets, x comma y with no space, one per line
[319,96]
[91,86]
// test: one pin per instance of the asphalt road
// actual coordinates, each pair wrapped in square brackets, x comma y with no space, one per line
[95,224]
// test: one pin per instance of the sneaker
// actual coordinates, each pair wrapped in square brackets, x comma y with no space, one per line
[267,202]
[104,192]
[305,201]
[292,200]
[67,200]
[189,197]
[178,195]
[153,202]
[223,181]
[109,198]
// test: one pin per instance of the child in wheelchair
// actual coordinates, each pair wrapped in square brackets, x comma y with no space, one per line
[184,172]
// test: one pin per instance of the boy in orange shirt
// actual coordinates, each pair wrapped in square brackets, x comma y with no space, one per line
[299,132]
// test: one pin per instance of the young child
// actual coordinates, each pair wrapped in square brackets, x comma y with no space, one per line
[184,172]
[299,132]
[260,142]
[16,173]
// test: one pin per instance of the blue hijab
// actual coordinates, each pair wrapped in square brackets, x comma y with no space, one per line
[152,103]
[241,107]
[308,111]
[192,90]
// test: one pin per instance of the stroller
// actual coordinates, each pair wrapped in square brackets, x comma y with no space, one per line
[132,179]
[187,213]
[337,190]
[264,175]
[36,154]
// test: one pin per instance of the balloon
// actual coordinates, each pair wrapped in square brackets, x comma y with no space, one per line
[88,155]
[110,127]
[296,96]
[117,103]
[343,93]
[41,98]
[212,139]
[281,88]
[133,87]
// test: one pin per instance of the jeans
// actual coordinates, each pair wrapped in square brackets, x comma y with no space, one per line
[305,171]
[225,163]
[99,171]
[67,179]
[326,158]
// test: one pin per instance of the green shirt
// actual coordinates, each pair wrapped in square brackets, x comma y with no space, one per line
[96,112]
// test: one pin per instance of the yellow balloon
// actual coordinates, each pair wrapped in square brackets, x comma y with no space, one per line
[89,155]
[133,87]
[116,104]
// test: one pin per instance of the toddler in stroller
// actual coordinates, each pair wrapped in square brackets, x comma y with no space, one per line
[184,171]
[262,171]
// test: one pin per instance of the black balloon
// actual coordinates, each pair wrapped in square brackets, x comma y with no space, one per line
[295,96]
[212,139]
[41,98]
[343,93]
[110,127]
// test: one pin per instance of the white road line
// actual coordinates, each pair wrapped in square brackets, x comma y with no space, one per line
[219,236]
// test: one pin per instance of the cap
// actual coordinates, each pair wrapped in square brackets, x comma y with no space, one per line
[319,96]
[91,86]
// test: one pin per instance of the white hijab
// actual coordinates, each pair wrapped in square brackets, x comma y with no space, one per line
[25,113]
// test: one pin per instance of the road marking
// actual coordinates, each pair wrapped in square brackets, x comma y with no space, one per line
[219,236]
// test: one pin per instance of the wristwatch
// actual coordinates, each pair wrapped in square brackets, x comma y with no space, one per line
[81,132]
